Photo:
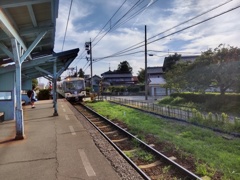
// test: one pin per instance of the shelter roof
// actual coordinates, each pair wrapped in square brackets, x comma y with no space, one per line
[24,20]
[32,23]
[43,66]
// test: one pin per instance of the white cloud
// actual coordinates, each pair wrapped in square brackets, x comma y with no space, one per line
[88,17]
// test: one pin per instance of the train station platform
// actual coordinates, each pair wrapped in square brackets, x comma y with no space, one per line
[55,147]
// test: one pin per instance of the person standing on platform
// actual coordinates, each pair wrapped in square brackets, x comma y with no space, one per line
[32,95]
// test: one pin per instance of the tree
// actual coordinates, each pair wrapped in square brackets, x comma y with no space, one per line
[124,67]
[141,75]
[175,77]
[81,73]
[74,75]
[170,61]
[34,83]
[218,68]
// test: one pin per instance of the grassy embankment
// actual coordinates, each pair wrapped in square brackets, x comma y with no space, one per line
[211,151]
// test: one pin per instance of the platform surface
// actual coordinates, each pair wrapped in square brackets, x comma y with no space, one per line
[55,147]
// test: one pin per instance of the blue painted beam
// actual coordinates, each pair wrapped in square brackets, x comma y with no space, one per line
[32,15]
[10,30]
[32,46]
[6,50]
[44,71]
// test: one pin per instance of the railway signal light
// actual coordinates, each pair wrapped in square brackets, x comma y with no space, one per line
[87,46]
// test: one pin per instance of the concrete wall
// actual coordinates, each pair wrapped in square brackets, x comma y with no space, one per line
[8,106]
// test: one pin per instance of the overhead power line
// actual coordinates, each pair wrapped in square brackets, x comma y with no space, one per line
[67,24]
[122,20]
[184,22]
[109,20]
[83,54]
[183,29]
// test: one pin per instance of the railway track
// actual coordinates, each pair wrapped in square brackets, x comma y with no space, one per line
[147,161]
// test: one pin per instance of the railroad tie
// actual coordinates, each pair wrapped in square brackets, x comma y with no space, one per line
[173,158]
[111,132]
[100,127]
[131,151]
[119,140]
[97,122]
[156,163]
[94,118]
[89,117]
[205,178]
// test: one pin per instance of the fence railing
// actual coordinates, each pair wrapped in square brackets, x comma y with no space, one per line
[214,121]
[182,113]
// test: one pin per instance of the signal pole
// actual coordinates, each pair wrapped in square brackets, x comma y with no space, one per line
[88,48]
[91,64]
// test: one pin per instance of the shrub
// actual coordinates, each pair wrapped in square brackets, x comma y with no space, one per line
[237,124]
[166,100]
[178,100]
[230,102]
[133,89]
[209,119]
[199,118]
[43,94]
[224,118]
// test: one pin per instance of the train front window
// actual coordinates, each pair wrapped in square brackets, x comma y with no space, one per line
[74,85]
[70,85]
[79,84]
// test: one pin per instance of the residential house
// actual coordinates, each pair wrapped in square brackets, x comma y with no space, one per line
[189,59]
[156,81]
[95,80]
[118,78]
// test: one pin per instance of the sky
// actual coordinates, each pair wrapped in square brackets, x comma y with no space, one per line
[117,30]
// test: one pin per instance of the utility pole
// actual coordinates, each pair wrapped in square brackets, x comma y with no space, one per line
[146,78]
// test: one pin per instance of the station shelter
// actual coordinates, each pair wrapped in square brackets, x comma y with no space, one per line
[27,33]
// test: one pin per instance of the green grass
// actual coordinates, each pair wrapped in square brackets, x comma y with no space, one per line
[217,152]
[141,155]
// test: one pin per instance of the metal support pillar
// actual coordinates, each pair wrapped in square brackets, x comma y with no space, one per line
[55,88]
[18,100]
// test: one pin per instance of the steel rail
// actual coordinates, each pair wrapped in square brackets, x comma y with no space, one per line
[188,173]
[146,177]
